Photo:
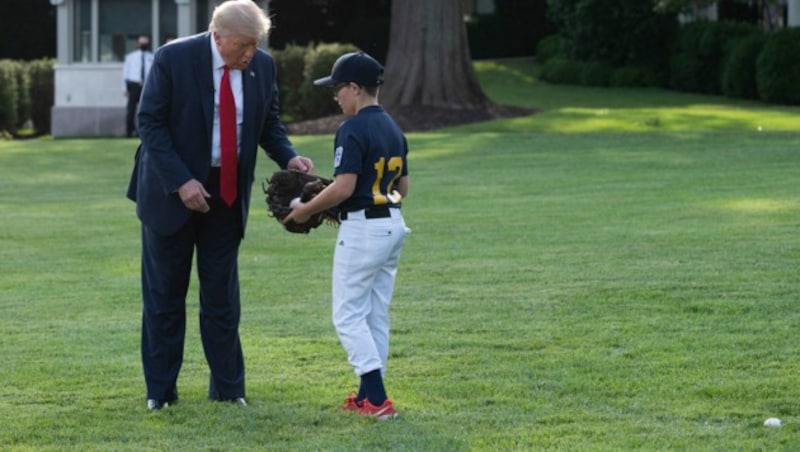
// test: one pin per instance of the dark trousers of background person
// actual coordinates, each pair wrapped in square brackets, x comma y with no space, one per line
[166,269]
[134,93]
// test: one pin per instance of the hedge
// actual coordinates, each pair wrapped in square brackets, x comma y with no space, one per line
[703,48]
[549,47]
[562,70]
[26,96]
[778,68]
[9,96]
[617,32]
[739,74]
[42,76]
[291,64]
[317,102]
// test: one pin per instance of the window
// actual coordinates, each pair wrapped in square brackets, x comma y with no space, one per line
[121,22]
[83,31]
[105,30]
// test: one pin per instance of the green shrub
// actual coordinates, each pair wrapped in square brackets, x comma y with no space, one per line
[739,74]
[26,94]
[634,76]
[701,52]
[42,93]
[549,47]
[684,73]
[596,74]
[562,71]
[291,63]
[778,68]
[716,45]
[685,63]
[617,32]
[23,94]
[318,102]
[9,96]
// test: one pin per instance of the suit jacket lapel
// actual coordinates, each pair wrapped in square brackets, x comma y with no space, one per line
[251,97]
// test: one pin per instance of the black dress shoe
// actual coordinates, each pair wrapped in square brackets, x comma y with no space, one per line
[153,404]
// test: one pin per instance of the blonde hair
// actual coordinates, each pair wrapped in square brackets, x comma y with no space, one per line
[240,17]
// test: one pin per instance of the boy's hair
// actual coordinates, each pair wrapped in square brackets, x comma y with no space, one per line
[371,90]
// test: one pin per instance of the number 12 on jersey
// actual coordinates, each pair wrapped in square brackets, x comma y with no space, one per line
[395,166]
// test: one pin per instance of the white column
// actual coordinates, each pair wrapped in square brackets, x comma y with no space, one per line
[155,32]
[695,12]
[63,32]
[712,12]
[185,17]
[95,53]
[793,13]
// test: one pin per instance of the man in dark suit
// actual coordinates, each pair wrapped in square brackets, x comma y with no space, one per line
[207,97]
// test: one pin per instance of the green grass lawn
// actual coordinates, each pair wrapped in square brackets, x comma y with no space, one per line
[616,272]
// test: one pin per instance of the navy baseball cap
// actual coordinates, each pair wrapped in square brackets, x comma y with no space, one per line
[356,67]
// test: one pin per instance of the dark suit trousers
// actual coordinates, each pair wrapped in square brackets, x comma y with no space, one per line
[166,270]
[134,94]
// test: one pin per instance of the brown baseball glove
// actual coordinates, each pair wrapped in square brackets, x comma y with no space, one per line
[287,185]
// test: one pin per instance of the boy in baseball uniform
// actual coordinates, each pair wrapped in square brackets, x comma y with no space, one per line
[370,179]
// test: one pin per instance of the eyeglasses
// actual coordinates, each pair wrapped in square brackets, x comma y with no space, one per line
[337,87]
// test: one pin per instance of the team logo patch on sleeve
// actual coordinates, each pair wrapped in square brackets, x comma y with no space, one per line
[337,156]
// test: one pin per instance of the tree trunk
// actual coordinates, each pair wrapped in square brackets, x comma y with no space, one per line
[428,61]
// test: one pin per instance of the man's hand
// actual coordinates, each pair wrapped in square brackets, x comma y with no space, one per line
[302,164]
[194,195]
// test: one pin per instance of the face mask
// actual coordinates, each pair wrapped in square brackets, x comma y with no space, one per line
[144,47]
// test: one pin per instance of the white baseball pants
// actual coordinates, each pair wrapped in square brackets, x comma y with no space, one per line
[364,269]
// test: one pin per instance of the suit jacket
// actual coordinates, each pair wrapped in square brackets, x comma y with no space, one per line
[175,126]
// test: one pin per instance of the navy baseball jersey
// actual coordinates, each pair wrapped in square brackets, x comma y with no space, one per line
[371,145]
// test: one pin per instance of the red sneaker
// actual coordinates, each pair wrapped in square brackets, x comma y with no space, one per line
[385,411]
[351,404]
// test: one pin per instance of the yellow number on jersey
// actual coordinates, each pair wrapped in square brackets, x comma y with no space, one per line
[396,165]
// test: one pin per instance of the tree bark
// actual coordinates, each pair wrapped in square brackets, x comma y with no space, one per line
[428,61]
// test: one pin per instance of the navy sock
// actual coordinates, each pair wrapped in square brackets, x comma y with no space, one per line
[362,392]
[373,385]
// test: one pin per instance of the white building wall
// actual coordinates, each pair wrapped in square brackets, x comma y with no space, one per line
[95,85]
[710,13]
[793,13]
[89,100]
[484,6]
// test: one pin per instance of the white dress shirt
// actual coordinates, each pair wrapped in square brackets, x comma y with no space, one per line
[235,77]
[132,69]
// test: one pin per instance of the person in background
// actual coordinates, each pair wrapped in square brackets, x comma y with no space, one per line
[209,102]
[134,72]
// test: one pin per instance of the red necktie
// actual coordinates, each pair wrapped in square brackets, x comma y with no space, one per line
[227,140]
